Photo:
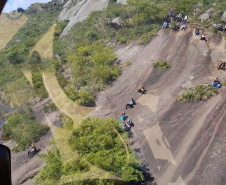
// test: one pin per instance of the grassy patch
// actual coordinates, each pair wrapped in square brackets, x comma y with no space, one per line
[127,64]
[161,65]
[66,121]
[18,92]
[22,127]
[38,23]
[200,92]
[8,28]
[45,45]
[223,83]
[38,85]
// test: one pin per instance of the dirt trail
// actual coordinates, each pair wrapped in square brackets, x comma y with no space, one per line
[176,140]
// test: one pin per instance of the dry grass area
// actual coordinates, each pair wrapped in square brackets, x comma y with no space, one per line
[45,44]
[8,28]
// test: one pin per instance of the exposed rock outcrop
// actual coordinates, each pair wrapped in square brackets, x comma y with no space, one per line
[204,16]
[207,14]
[79,12]
[117,20]
[223,17]
[121,1]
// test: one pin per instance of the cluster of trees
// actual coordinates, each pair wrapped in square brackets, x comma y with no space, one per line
[37,24]
[97,143]
[22,128]
[93,64]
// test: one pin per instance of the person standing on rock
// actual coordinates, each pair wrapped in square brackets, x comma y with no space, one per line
[179,17]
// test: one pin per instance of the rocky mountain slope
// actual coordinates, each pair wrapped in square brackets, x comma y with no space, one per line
[80,11]
[181,143]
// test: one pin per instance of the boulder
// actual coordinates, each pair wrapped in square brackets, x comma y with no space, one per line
[196,11]
[223,17]
[204,16]
[210,11]
[214,4]
[117,20]
[80,11]
[199,5]
[121,1]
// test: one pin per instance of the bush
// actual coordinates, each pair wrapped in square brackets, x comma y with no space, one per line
[54,169]
[38,85]
[49,107]
[200,92]
[35,58]
[145,38]
[127,64]
[22,128]
[66,121]
[161,65]
[93,65]
[86,98]
[106,151]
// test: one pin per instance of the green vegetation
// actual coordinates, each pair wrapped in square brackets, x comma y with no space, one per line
[145,38]
[93,64]
[224,83]
[37,24]
[38,85]
[97,142]
[127,64]
[105,151]
[200,92]
[54,169]
[49,107]
[57,46]
[18,93]
[161,65]
[22,128]
[16,88]
[92,68]
[66,121]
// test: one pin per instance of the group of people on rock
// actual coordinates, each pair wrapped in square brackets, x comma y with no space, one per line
[179,19]
[126,125]
[220,27]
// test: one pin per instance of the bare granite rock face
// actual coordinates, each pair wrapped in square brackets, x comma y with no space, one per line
[223,17]
[79,12]
[121,1]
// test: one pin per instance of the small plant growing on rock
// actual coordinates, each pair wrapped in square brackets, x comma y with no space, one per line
[200,92]
[145,38]
[127,64]
[161,65]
